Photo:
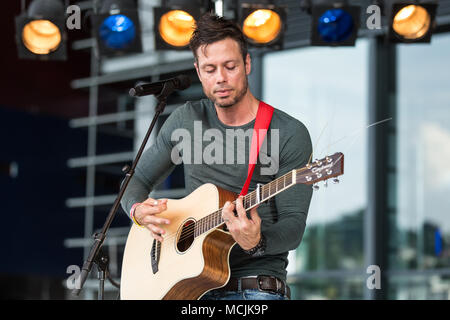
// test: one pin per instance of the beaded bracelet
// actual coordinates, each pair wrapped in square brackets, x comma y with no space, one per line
[133,209]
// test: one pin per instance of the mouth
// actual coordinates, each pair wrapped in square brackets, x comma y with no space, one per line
[223,93]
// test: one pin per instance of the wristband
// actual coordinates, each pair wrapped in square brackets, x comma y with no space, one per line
[133,209]
[259,249]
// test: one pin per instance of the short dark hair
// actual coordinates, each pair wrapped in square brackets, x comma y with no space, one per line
[211,28]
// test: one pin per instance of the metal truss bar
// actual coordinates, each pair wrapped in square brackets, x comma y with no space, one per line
[109,199]
[83,44]
[418,273]
[298,277]
[443,20]
[101,159]
[87,242]
[116,117]
[135,73]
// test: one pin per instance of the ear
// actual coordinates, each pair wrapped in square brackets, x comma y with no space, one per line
[198,72]
[248,64]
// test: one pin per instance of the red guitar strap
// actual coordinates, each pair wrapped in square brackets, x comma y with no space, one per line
[262,122]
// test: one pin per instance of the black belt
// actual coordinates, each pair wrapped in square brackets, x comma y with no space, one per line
[262,283]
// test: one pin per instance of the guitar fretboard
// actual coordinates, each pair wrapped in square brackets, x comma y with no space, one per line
[250,200]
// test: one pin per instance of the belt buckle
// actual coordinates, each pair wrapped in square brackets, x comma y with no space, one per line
[277,282]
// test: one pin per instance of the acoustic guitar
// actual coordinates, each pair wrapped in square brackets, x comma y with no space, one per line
[194,256]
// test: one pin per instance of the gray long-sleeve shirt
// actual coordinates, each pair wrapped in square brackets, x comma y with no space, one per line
[194,135]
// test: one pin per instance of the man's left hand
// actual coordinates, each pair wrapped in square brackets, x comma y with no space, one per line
[246,232]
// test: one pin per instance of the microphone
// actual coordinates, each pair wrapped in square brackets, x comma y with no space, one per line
[180,82]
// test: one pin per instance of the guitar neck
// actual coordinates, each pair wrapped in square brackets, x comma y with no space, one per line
[323,169]
[260,194]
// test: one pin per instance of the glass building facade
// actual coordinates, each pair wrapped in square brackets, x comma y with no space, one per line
[332,91]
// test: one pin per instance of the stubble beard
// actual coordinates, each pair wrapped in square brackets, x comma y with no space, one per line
[234,101]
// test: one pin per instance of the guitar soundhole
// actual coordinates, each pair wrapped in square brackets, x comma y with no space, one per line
[186,236]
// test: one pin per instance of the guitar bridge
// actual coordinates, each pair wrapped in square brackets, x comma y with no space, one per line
[154,255]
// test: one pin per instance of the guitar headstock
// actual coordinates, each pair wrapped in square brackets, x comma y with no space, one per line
[323,169]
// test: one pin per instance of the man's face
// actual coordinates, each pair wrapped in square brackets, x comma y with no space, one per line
[222,72]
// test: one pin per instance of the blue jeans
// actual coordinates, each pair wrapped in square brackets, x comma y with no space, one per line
[248,294]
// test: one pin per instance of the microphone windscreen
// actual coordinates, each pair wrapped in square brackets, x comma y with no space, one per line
[184,82]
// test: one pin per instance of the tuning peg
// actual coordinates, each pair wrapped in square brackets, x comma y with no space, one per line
[315,187]
[335,180]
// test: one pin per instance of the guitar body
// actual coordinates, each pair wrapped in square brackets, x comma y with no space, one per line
[187,266]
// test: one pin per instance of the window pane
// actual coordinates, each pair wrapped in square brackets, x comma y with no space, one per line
[326,89]
[423,214]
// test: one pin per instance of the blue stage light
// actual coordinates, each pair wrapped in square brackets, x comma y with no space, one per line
[335,25]
[117,31]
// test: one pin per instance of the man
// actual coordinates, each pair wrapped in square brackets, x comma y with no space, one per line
[258,262]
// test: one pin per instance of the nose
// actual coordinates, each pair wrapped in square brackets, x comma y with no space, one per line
[221,75]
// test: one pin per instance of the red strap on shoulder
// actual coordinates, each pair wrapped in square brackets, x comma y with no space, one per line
[262,122]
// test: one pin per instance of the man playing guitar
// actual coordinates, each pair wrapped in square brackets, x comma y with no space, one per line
[264,236]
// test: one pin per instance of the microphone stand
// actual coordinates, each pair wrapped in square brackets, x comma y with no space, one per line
[96,255]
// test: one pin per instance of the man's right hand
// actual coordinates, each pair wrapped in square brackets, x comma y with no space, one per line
[146,215]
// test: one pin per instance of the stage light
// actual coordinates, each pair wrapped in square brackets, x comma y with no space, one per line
[412,22]
[117,28]
[174,25]
[334,25]
[263,24]
[117,31]
[41,36]
[40,32]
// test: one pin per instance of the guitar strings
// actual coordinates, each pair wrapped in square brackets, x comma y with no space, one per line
[249,198]
[280,182]
[190,229]
[213,216]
